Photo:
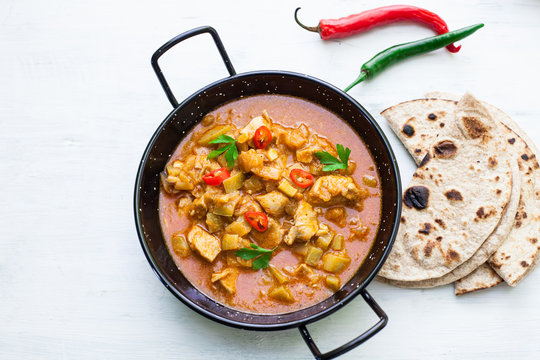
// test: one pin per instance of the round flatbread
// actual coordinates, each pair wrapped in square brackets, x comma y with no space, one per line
[446,218]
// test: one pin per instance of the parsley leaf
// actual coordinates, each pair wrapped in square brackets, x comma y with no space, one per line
[261,255]
[331,162]
[230,150]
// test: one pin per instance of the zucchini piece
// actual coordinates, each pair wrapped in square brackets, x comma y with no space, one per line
[214,222]
[287,188]
[313,255]
[335,263]
[180,245]
[338,242]
[324,236]
[233,183]
[213,134]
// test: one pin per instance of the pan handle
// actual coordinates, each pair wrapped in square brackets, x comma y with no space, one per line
[383,320]
[169,44]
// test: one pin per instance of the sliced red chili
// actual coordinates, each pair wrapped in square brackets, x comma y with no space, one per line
[301,178]
[257,219]
[262,137]
[216,177]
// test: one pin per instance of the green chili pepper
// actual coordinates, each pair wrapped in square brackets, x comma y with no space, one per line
[398,52]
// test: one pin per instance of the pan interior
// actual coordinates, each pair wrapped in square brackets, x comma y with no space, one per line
[190,112]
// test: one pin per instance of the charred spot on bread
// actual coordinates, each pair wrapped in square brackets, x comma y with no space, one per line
[441,124]
[453,195]
[408,130]
[492,161]
[425,160]
[445,149]
[474,127]
[426,229]
[417,197]
[525,157]
[524,263]
[511,141]
[432,117]
[441,223]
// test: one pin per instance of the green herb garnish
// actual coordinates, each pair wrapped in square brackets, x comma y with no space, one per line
[331,163]
[261,255]
[230,150]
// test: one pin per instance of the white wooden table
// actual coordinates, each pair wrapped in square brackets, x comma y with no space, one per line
[78,103]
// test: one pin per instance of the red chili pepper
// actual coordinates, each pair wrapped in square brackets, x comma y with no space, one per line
[301,178]
[366,20]
[262,137]
[216,177]
[257,219]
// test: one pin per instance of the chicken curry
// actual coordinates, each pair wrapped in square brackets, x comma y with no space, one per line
[270,204]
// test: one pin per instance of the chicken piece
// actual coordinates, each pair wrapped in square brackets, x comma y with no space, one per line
[268,172]
[207,245]
[273,203]
[251,160]
[247,132]
[317,143]
[271,237]
[336,189]
[198,208]
[305,224]
[227,279]
[199,165]
[292,138]
[246,203]
[337,215]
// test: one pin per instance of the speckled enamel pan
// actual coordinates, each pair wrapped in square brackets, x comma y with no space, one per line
[186,115]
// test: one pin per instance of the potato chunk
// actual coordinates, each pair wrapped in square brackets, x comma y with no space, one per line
[338,243]
[278,275]
[227,279]
[335,263]
[224,204]
[207,245]
[233,242]
[247,132]
[333,282]
[273,203]
[281,293]
[239,227]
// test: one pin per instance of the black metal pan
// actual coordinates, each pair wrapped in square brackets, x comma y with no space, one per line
[186,115]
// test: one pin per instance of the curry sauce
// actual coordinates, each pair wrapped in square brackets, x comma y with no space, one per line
[320,226]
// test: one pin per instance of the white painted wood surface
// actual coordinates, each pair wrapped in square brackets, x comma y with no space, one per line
[78,103]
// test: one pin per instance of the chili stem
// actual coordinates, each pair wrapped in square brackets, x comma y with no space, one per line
[363,76]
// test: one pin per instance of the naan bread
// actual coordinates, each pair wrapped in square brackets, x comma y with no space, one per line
[446,218]
[425,131]
[520,253]
[482,278]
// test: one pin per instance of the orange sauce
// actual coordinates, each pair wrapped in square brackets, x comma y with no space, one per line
[251,285]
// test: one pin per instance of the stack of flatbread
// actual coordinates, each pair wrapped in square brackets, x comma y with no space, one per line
[471,214]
